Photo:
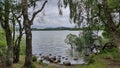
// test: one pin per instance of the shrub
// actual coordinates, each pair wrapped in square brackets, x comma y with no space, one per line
[89,59]
[32,66]
[40,62]
[34,58]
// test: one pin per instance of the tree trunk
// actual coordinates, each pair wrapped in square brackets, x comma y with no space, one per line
[116,37]
[16,52]
[9,56]
[2,59]
[28,58]
[27,25]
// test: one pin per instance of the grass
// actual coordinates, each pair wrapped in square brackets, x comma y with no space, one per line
[22,47]
[20,63]
[37,65]
[100,61]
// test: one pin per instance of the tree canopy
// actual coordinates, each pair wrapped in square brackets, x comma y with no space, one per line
[101,13]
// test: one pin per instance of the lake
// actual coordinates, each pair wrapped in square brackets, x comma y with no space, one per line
[52,42]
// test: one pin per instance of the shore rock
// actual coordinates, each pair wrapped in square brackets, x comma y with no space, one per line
[67,63]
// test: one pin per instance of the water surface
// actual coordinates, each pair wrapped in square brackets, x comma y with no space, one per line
[52,42]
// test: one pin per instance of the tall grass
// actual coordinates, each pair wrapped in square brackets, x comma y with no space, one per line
[22,47]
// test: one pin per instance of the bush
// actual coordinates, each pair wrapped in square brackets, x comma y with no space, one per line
[110,53]
[32,66]
[40,62]
[89,59]
[34,58]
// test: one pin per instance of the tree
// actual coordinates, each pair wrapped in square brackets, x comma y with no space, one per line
[70,39]
[94,12]
[15,9]
[110,23]
[16,16]
[17,40]
[27,24]
[4,20]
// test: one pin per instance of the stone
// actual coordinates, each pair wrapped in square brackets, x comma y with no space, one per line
[52,59]
[67,63]
[59,56]
[63,57]
[66,58]
[57,61]
[45,57]
[75,58]
[50,54]
[40,54]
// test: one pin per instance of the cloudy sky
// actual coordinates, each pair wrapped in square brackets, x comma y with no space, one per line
[50,16]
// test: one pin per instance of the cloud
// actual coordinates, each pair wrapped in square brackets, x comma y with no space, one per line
[50,17]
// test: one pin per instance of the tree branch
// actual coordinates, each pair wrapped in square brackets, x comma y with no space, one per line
[18,38]
[2,22]
[35,13]
[109,20]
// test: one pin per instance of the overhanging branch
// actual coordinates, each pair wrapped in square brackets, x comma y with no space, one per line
[35,13]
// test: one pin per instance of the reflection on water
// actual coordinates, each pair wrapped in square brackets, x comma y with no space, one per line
[52,42]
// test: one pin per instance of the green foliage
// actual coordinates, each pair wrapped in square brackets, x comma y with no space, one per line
[88,37]
[2,42]
[113,4]
[22,47]
[34,58]
[79,42]
[41,62]
[86,40]
[3,47]
[90,59]
[70,39]
[74,40]
[110,53]
[107,35]
[32,66]
[97,64]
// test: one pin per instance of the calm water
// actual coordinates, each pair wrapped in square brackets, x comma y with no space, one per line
[52,42]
